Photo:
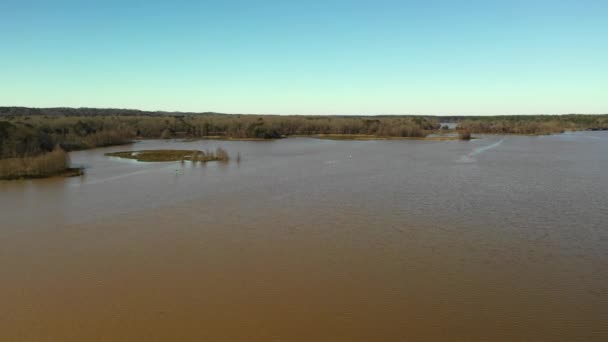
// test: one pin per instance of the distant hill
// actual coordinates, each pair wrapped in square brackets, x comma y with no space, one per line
[65,111]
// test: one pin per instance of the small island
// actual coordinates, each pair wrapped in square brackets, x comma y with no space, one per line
[173,155]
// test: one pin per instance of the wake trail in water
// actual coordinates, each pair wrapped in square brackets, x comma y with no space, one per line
[482,149]
[108,179]
[470,157]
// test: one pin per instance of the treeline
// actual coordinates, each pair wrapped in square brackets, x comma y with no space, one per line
[533,124]
[31,136]
[28,135]
[26,132]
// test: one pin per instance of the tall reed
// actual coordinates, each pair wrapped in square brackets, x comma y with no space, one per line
[44,165]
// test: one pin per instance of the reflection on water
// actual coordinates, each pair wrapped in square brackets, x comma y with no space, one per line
[314,240]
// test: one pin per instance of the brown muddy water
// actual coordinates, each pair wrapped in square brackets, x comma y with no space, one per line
[496,239]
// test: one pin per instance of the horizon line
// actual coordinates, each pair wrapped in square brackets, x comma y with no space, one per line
[294,114]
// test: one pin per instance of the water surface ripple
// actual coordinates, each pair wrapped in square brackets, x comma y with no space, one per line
[315,240]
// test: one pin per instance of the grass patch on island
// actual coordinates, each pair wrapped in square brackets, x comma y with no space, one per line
[173,155]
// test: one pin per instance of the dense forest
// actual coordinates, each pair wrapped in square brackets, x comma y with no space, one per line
[35,132]
[27,132]
[530,124]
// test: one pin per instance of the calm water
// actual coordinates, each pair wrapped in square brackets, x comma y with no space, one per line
[500,238]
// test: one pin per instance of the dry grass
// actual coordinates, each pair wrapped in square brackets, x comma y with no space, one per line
[55,163]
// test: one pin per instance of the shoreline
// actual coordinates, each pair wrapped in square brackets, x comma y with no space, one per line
[77,171]
[67,173]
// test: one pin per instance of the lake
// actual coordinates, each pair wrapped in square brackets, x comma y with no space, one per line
[500,238]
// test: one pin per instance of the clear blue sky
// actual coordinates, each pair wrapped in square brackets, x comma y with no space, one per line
[308,57]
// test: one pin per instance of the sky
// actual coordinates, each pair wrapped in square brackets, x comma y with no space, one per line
[433,57]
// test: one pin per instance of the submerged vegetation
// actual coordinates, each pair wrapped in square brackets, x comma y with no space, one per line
[173,155]
[464,134]
[376,137]
[27,133]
